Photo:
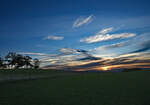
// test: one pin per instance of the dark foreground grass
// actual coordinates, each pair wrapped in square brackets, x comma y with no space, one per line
[28,74]
[128,88]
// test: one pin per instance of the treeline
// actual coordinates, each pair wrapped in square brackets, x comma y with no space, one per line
[15,61]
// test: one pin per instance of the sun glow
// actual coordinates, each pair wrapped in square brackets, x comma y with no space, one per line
[105,68]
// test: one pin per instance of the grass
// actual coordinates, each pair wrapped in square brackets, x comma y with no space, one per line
[68,88]
[27,74]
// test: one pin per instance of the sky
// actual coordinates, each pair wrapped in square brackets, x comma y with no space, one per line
[80,34]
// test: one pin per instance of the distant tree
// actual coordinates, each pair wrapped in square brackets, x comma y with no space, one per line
[36,63]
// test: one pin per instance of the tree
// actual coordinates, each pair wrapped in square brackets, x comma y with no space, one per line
[18,61]
[15,60]
[1,62]
[21,61]
[11,58]
[36,63]
[27,61]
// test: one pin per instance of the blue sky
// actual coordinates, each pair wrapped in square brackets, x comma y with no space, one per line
[103,28]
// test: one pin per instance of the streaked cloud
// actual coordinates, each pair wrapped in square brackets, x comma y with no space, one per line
[53,37]
[112,46]
[145,46]
[80,59]
[67,50]
[65,57]
[78,54]
[81,21]
[41,56]
[123,62]
[104,36]
[118,63]
[31,53]
[106,30]
[139,43]
[72,51]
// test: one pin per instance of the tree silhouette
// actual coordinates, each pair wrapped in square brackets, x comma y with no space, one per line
[18,60]
[36,63]
[10,57]
[27,61]
[1,62]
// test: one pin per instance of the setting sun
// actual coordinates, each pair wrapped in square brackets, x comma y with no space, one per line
[105,68]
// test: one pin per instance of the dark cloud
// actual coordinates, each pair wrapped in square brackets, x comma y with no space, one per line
[82,51]
[89,66]
[84,55]
[72,51]
[89,58]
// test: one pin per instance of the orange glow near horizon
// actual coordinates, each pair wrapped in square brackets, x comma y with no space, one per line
[105,68]
[110,67]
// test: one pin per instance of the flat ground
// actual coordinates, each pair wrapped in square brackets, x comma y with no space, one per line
[70,88]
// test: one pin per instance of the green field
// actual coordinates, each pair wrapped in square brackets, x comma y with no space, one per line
[71,88]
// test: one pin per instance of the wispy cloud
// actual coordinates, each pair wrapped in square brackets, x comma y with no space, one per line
[72,51]
[106,30]
[144,46]
[31,53]
[53,37]
[81,21]
[65,57]
[107,47]
[79,54]
[39,55]
[115,63]
[138,44]
[104,36]
[67,50]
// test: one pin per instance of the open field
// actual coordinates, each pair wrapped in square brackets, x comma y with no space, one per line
[70,88]
[27,74]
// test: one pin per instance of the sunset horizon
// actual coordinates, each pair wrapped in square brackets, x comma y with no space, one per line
[73,34]
[74,52]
